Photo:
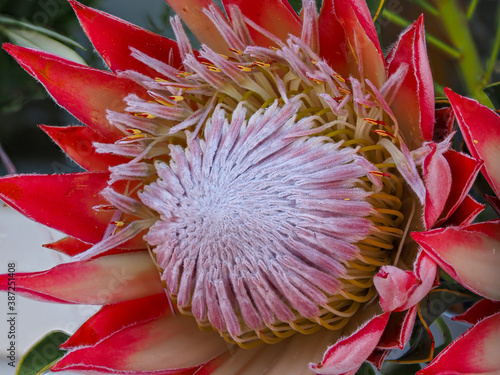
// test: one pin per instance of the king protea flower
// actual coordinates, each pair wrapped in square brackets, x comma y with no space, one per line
[246,207]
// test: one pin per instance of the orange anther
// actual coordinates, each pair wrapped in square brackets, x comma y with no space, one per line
[383,132]
[374,122]
[344,91]
[142,114]
[244,68]
[183,74]
[339,77]
[380,174]
[236,51]
[317,81]
[213,68]
[262,64]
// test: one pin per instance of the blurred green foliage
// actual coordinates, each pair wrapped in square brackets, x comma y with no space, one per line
[51,18]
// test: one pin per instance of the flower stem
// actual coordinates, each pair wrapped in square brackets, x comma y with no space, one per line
[445,331]
[470,65]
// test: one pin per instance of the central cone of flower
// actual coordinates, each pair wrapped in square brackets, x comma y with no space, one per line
[267,183]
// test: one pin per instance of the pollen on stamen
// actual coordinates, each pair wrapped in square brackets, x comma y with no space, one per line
[385,133]
[380,174]
[339,77]
[261,64]
[183,74]
[237,52]
[244,68]
[142,114]
[375,122]
[344,91]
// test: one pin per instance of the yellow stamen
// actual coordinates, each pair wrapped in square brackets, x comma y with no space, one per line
[244,68]
[383,132]
[374,122]
[239,53]
[142,114]
[344,91]
[339,77]
[183,74]
[262,64]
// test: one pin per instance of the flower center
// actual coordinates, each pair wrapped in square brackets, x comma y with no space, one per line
[274,211]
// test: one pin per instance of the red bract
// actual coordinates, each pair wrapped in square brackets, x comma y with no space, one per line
[261,188]
[468,252]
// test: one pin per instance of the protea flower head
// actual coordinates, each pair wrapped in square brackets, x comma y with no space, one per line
[255,196]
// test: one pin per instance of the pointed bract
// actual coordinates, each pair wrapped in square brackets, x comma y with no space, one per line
[191,12]
[113,38]
[72,213]
[332,42]
[465,213]
[111,319]
[480,127]
[110,279]
[77,142]
[414,104]
[468,254]
[443,126]
[275,16]
[85,92]
[168,345]
[72,246]
[400,290]
[464,170]
[438,183]
[479,311]
[361,40]
[399,329]
[475,352]
[349,353]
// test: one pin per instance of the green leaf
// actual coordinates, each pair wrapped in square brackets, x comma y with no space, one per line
[421,345]
[296,5]
[36,40]
[493,92]
[12,22]
[431,308]
[391,368]
[43,354]
[366,369]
